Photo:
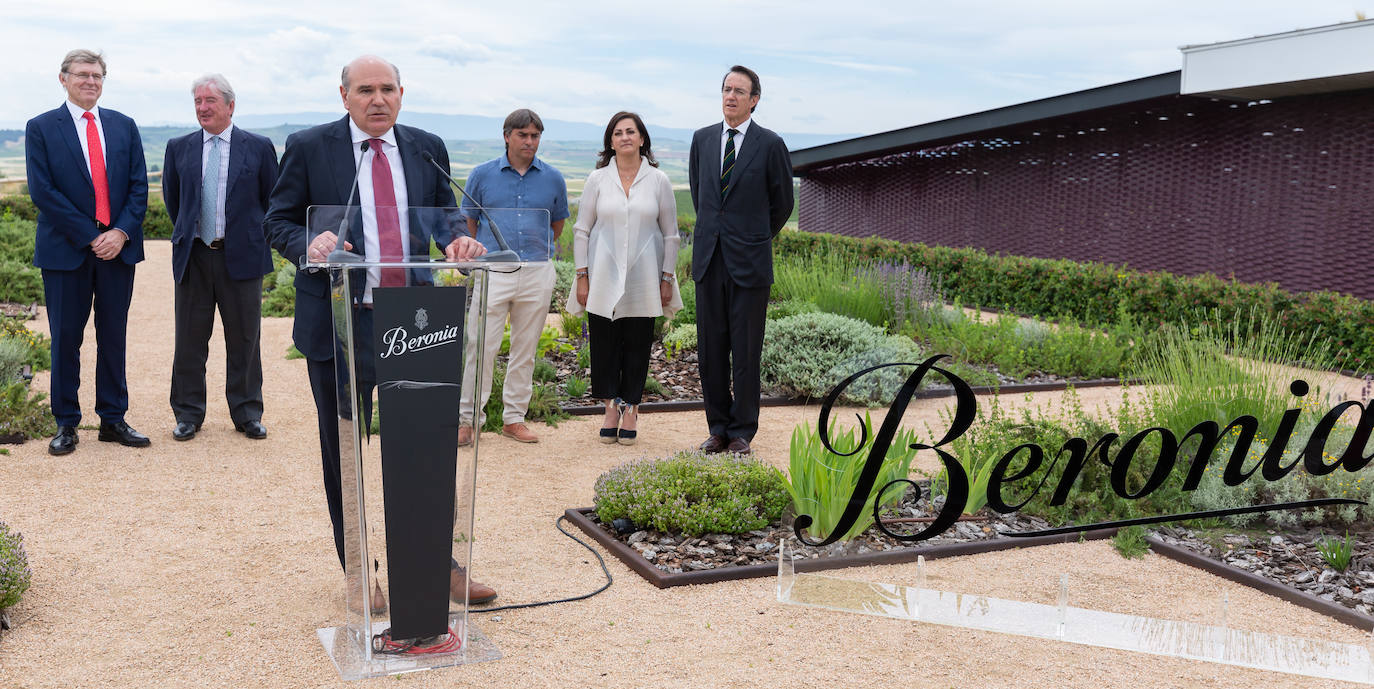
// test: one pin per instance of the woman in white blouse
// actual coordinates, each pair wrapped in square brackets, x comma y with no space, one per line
[625,247]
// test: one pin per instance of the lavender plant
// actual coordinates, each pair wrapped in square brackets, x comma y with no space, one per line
[911,298]
[15,574]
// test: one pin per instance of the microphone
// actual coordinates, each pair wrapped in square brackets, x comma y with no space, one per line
[505,255]
[339,254]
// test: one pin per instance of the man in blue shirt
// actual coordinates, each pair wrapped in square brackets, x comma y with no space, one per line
[516,180]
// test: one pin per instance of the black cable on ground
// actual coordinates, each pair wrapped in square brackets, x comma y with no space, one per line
[558,524]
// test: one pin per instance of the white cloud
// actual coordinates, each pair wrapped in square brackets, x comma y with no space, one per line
[454,50]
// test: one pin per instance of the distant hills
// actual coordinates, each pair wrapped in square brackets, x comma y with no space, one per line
[478,127]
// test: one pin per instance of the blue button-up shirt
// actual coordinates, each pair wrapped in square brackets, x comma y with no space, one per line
[504,192]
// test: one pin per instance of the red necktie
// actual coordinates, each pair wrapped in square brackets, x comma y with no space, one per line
[388,221]
[102,184]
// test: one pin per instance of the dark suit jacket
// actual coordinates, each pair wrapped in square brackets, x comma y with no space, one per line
[62,190]
[743,224]
[318,169]
[252,174]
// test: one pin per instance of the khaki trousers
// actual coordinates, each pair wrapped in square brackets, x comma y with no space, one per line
[523,298]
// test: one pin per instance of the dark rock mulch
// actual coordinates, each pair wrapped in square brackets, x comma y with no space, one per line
[675,553]
[1288,557]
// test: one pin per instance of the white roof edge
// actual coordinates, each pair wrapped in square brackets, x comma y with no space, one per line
[1274,36]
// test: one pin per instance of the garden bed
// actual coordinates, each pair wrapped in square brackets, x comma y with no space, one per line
[679,560]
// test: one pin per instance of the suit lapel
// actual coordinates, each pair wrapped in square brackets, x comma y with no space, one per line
[341,163]
[63,117]
[411,165]
[116,140]
[745,156]
[713,148]
[237,151]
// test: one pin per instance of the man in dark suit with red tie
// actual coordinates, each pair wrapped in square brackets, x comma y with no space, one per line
[741,181]
[318,168]
[216,182]
[87,177]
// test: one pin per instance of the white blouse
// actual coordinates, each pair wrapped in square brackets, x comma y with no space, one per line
[626,243]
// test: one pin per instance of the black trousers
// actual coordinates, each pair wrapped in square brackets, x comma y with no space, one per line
[730,322]
[332,405]
[206,284]
[620,356]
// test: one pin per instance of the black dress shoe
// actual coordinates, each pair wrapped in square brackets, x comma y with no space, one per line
[714,445]
[120,432]
[253,429]
[739,446]
[64,442]
[185,430]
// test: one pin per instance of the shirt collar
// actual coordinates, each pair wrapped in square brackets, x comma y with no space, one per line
[742,128]
[360,136]
[77,112]
[224,135]
[535,164]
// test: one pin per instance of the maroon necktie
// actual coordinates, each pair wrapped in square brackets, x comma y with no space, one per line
[388,221]
[98,179]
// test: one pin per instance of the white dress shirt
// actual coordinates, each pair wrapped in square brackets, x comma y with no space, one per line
[372,249]
[222,191]
[742,128]
[626,243]
[77,117]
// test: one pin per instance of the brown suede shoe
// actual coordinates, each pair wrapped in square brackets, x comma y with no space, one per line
[464,435]
[519,432]
[477,592]
[739,446]
[714,445]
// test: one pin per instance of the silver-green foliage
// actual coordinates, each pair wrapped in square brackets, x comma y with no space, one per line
[809,353]
[693,494]
[15,574]
[681,338]
[14,353]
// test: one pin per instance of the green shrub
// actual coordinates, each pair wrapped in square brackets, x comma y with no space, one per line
[19,206]
[17,236]
[157,224]
[20,283]
[545,405]
[577,387]
[790,307]
[562,284]
[279,290]
[1336,552]
[820,482]
[688,314]
[833,282]
[23,415]
[574,326]
[544,371]
[680,338]
[39,346]
[495,408]
[1130,542]
[1101,294]
[14,353]
[693,494]
[653,387]
[15,574]
[809,353]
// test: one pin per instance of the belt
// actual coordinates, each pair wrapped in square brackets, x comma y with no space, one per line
[216,245]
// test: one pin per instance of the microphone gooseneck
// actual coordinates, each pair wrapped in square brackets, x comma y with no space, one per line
[339,254]
[505,255]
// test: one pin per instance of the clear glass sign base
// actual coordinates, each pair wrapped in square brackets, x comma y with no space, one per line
[355,660]
[1213,643]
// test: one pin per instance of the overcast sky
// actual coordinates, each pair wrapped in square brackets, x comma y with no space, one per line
[840,66]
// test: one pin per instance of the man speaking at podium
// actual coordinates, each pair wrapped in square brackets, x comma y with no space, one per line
[319,168]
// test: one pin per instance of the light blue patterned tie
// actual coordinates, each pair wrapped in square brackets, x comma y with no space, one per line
[209,193]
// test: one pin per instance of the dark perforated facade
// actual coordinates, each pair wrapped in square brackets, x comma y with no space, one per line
[1277,191]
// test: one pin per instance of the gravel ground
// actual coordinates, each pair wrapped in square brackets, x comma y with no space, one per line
[209,564]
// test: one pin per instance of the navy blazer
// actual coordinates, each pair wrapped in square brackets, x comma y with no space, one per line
[744,223]
[252,174]
[60,185]
[317,169]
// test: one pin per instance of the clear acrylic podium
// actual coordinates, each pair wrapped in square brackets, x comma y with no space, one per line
[408,490]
